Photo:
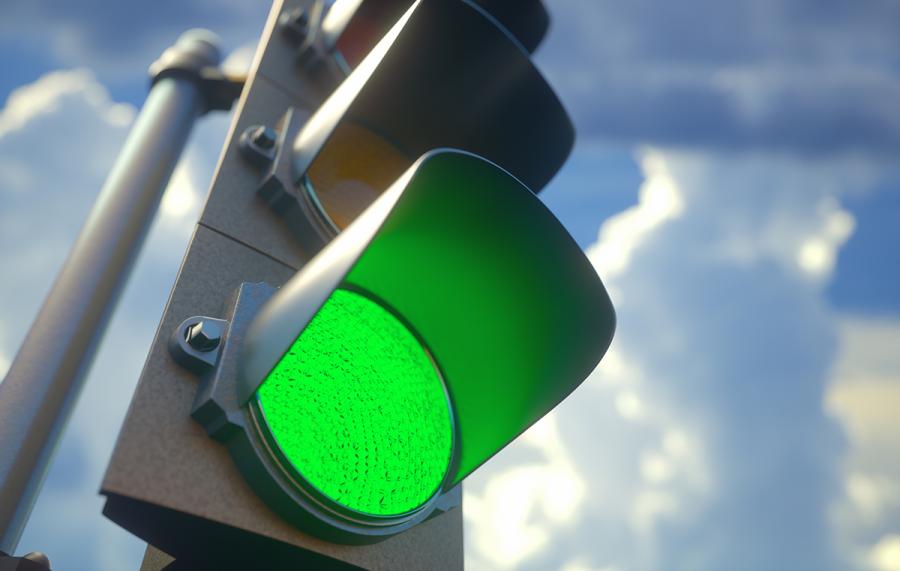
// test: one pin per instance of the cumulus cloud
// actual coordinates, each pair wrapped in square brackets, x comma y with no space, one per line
[702,439]
[885,556]
[515,506]
[865,396]
[805,76]
[60,136]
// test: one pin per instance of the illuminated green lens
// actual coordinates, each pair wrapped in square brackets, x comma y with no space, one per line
[358,408]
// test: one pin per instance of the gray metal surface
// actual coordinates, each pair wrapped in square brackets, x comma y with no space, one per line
[46,376]
[281,62]
[233,207]
[168,482]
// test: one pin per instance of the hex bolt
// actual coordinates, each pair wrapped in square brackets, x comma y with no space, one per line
[203,336]
[263,137]
[295,22]
[257,144]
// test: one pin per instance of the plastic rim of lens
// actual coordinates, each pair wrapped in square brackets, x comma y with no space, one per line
[327,506]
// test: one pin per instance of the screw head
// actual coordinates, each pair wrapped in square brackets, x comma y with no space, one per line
[203,336]
[257,144]
[296,22]
[263,136]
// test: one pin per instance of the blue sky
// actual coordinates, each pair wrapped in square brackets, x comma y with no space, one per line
[735,182]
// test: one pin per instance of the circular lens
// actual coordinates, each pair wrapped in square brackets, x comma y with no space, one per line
[358,408]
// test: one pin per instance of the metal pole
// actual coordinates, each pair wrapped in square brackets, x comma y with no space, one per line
[44,380]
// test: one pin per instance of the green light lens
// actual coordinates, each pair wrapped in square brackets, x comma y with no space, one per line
[358,408]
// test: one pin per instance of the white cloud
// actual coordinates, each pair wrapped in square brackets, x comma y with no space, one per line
[659,201]
[705,441]
[864,397]
[52,91]
[629,405]
[180,200]
[885,555]
[872,496]
[518,510]
[818,254]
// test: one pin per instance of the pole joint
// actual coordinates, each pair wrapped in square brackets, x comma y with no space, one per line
[196,57]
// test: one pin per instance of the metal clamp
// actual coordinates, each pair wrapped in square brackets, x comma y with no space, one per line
[270,150]
[196,57]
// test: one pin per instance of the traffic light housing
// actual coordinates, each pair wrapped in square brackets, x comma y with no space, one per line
[453,314]
[177,488]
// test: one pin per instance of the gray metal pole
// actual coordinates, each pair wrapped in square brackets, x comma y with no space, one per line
[44,380]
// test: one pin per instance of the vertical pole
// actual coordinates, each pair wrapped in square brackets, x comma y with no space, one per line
[44,380]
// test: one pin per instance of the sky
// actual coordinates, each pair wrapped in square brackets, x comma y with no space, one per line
[736,186]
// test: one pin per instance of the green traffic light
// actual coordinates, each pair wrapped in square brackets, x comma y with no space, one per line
[359,410]
[450,316]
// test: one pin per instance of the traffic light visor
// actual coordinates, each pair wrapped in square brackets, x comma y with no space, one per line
[445,75]
[449,317]
[352,27]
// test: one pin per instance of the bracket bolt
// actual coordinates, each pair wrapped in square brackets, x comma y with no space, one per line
[204,336]
[296,22]
[263,137]
[257,144]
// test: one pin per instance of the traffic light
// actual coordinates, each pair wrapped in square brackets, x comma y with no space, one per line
[449,317]
[320,386]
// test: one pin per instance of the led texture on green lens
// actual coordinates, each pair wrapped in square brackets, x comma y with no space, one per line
[357,407]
